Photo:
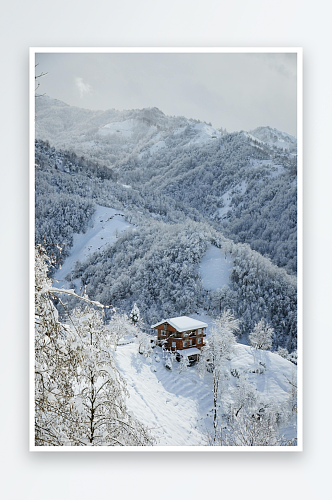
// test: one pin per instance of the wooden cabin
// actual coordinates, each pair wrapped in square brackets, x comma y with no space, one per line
[183,335]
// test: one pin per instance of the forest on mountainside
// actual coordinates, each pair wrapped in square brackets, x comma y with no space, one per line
[156,264]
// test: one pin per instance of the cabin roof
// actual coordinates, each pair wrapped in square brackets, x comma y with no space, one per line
[182,323]
[189,352]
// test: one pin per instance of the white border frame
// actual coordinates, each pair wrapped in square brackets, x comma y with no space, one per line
[163,50]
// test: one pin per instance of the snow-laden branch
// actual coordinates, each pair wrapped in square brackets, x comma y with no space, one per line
[84,298]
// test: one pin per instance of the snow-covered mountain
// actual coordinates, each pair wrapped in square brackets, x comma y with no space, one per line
[176,204]
[181,219]
[177,171]
[273,137]
[106,135]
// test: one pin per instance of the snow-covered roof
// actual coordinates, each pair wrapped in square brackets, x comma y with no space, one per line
[189,352]
[182,323]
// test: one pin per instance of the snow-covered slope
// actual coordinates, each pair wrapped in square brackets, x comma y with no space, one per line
[215,268]
[274,137]
[204,133]
[104,226]
[177,406]
[124,128]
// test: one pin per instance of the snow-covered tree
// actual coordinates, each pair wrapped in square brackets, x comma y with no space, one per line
[135,314]
[169,360]
[245,396]
[252,427]
[292,393]
[261,336]
[293,357]
[100,390]
[79,393]
[55,361]
[120,327]
[282,352]
[250,421]
[247,421]
[221,344]
[144,343]
[184,364]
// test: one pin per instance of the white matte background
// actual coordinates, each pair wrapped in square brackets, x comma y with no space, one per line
[154,475]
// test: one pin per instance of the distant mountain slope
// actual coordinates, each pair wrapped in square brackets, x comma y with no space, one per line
[248,192]
[242,184]
[274,137]
[157,263]
[104,136]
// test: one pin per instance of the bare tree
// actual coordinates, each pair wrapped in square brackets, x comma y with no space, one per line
[37,82]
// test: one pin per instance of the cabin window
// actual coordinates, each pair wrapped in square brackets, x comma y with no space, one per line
[190,342]
[165,327]
[199,331]
[184,343]
[199,341]
[173,344]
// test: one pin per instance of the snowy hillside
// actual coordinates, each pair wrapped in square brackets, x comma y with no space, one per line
[242,184]
[180,277]
[177,406]
[215,269]
[104,227]
[274,137]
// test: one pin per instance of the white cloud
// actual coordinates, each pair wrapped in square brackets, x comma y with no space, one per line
[83,88]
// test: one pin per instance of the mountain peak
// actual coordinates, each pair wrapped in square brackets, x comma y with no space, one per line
[274,137]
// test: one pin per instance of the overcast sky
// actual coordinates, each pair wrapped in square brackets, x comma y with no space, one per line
[234,91]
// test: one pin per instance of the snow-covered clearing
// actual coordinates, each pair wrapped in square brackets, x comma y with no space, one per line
[253,138]
[272,137]
[177,406]
[102,231]
[205,133]
[215,268]
[125,128]
[169,403]
[180,130]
